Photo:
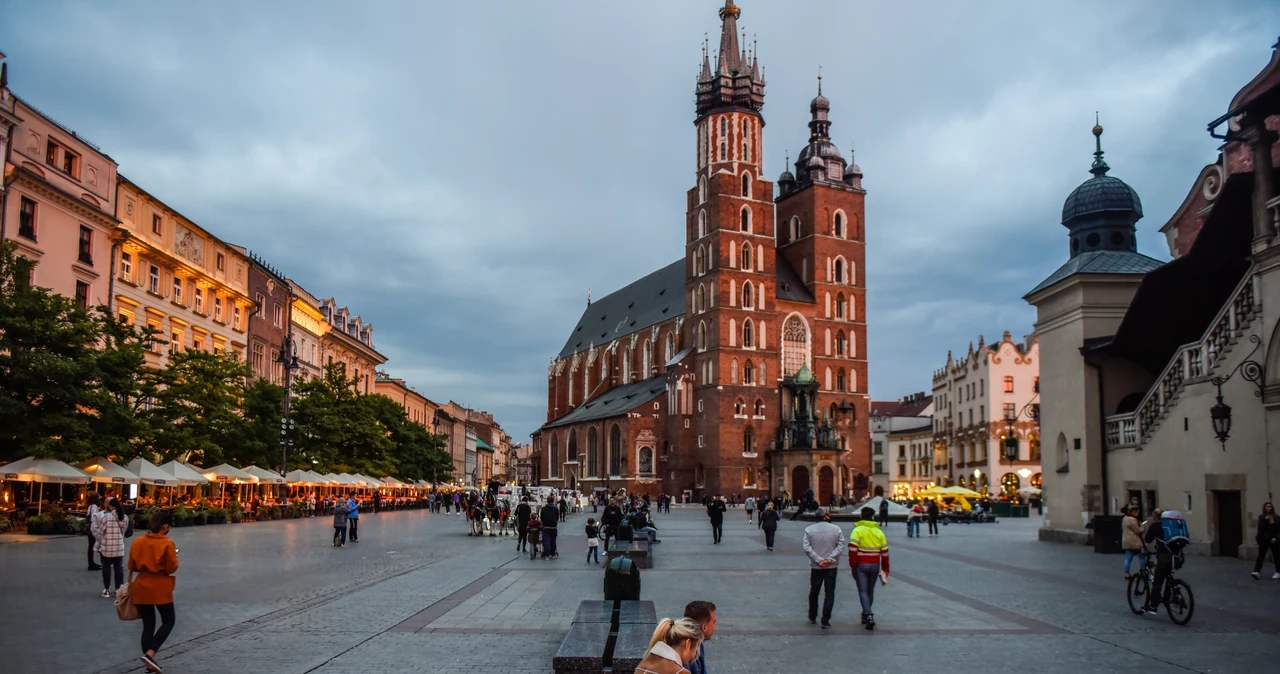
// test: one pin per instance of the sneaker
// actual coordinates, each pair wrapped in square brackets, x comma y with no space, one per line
[151,664]
[106,594]
[864,618]
[95,567]
[826,626]
[813,621]
[871,623]
[1255,575]
[656,540]
[1151,610]
[1275,576]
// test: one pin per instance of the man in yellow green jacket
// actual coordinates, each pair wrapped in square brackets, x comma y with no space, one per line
[869,559]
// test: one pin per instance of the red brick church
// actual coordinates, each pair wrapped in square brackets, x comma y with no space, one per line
[740,367]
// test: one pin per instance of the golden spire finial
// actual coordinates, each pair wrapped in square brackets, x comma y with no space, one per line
[819,80]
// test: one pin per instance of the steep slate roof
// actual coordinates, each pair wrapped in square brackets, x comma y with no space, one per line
[899,408]
[790,287]
[615,402]
[1100,262]
[645,303]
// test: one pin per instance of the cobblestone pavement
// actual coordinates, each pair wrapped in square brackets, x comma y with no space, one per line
[418,595]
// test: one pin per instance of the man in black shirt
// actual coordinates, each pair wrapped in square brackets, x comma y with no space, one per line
[523,512]
[550,517]
[715,511]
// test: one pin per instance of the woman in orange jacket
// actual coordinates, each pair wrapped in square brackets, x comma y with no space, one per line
[154,558]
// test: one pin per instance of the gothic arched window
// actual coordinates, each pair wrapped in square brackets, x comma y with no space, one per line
[702,299]
[671,347]
[748,335]
[572,454]
[746,219]
[646,461]
[724,151]
[746,258]
[759,407]
[615,450]
[746,183]
[646,360]
[840,307]
[593,453]
[840,344]
[702,188]
[739,407]
[702,336]
[748,441]
[702,224]
[748,295]
[553,461]
[795,346]
[841,380]
[724,126]
[733,371]
[795,227]
[838,276]
[839,226]
[749,374]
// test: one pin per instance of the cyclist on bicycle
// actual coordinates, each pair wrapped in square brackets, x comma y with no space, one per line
[1164,561]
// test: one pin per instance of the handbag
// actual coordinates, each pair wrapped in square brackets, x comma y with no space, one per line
[124,601]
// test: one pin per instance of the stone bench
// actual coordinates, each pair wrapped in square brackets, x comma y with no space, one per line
[606,636]
[638,550]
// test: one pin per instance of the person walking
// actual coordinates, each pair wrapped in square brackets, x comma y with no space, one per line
[593,540]
[564,507]
[1132,541]
[377,502]
[715,511]
[869,560]
[533,535]
[108,528]
[154,558]
[610,521]
[675,643]
[1268,538]
[90,516]
[932,512]
[353,518]
[823,543]
[769,523]
[340,511]
[523,513]
[913,521]
[704,614]
[884,511]
[550,518]
[750,505]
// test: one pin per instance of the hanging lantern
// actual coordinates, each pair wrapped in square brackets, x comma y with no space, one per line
[1221,415]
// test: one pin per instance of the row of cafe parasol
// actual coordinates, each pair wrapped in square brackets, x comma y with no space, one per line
[30,486]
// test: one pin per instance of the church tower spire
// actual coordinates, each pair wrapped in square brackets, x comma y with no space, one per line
[737,79]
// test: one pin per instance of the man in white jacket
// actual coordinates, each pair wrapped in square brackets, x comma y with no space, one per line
[824,544]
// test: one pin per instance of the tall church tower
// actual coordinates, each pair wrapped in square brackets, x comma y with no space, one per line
[730,273]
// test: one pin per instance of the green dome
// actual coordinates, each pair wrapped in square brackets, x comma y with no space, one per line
[804,375]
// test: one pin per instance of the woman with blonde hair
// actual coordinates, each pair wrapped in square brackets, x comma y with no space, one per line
[674,644]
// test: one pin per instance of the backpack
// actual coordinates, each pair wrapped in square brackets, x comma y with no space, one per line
[1173,531]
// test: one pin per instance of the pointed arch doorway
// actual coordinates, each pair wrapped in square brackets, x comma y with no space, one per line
[799,482]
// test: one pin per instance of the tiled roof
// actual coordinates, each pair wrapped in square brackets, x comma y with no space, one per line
[899,408]
[790,287]
[615,402]
[1100,262]
[642,304]
[1098,195]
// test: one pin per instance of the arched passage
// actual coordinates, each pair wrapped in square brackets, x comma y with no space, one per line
[799,482]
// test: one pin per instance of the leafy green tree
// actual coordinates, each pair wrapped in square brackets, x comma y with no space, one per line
[47,367]
[121,423]
[337,429]
[257,438]
[197,412]
[418,454]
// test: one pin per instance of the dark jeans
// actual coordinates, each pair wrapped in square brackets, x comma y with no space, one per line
[92,541]
[353,526]
[549,541]
[1263,546]
[1164,566]
[717,530]
[822,580]
[593,551]
[521,530]
[866,576]
[768,537]
[152,638]
[933,526]
[339,535]
[109,563]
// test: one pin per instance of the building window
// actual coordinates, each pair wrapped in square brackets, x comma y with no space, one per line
[279,316]
[795,228]
[1010,411]
[235,317]
[153,280]
[86,245]
[840,307]
[749,374]
[748,442]
[746,258]
[156,224]
[746,182]
[748,294]
[839,228]
[840,342]
[82,294]
[1035,383]
[745,218]
[902,470]
[217,309]
[841,380]
[153,329]
[177,289]
[197,342]
[199,300]
[795,346]
[175,341]
[126,266]
[759,408]
[724,151]
[221,262]
[259,359]
[748,335]
[27,219]
[62,159]
[724,126]
[839,271]
[1008,384]
[877,448]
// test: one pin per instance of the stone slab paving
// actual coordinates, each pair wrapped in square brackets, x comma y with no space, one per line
[418,595]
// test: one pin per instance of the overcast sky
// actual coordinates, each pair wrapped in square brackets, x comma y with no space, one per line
[460,173]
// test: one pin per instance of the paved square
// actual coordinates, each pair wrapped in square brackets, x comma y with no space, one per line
[418,595]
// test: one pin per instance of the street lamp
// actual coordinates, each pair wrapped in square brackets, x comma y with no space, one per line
[1220,413]
[288,361]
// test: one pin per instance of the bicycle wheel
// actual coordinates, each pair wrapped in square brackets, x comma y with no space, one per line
[1139,586]
[1181,604]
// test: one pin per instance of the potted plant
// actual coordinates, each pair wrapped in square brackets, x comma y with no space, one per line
[273,513]
[200,518]
[182,516]
[235,511]
[39,525]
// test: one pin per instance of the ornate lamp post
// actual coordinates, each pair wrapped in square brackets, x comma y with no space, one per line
[1251,370]
[288,361]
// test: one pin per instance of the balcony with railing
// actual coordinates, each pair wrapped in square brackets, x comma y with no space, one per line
[1190,363]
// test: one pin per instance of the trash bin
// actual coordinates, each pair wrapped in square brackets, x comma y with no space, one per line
[621,580]
[1107,534]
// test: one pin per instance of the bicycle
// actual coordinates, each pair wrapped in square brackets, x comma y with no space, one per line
[1179,602]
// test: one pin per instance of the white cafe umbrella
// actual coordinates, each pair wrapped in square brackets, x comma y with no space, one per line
[183,473]
[299,476]
[226,473]
[102,469]
[264,476]
[150,473]
[1029,490]
[317,478]
[393,483]
[41,471]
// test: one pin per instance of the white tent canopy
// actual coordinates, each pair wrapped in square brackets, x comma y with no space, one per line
[874,504]
[183,473]
[32,469]
[227,473]
[264,476]
[299,476]
[393,483]
[317,478]
[150,473]
[102,469]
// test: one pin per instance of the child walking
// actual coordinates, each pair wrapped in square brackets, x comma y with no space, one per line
[533,535]
[593,540]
